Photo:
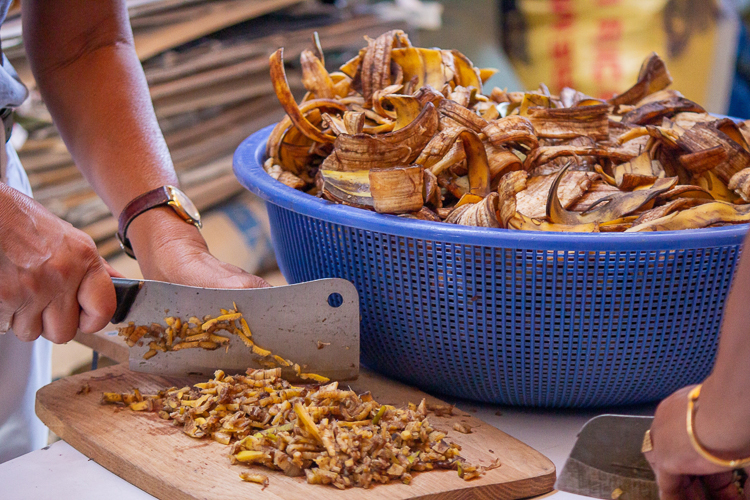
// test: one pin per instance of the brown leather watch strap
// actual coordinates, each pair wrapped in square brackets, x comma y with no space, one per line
[152,199]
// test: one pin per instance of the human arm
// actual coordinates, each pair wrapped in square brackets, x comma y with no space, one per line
[52,280]
[722,422]
[83,58]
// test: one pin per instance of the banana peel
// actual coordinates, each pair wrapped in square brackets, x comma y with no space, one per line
[606,209]
[409,131]
[652,77]
[397,190]
[351,188]
[705,215]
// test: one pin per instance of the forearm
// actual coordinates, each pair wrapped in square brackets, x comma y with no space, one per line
[87,70]
[91,80]
[723,418]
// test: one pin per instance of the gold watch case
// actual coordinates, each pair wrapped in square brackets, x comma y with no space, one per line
[183,206]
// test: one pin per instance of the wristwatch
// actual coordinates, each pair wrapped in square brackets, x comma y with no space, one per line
[162,196]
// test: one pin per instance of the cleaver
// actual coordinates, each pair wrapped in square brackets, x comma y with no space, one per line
[606,461]
[314,324]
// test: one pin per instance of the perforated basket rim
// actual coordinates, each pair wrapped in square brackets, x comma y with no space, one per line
[248,167]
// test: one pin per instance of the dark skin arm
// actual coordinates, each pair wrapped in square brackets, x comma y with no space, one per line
[722,423]
[83,58]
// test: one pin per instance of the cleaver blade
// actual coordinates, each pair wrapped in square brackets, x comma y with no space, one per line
[607,457]
[314,324]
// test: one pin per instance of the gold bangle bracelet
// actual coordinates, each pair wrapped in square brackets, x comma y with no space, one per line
[697,446]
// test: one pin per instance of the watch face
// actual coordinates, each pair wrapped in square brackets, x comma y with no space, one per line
[183,204]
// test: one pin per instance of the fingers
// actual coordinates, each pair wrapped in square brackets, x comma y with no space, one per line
[60,319]
[722,486]
[673,487]
[96,297]
[27,321]
[252,281]
[111,270]
[6,320]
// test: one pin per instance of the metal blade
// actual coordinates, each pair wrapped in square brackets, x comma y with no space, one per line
[292,321]
[606,457]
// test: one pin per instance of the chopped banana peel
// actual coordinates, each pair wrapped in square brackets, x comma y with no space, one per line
[409,131]
[201,333]
[329,435]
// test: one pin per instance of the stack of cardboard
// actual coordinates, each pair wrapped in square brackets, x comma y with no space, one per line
[206,62]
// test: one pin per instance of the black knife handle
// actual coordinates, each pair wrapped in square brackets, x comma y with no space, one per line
[126,291]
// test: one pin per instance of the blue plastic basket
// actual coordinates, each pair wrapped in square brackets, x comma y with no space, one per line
[511,317]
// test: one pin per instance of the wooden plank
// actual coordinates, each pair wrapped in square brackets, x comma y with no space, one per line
[157,457]
[221,16]
[222,94]
[344,35]
[210,78]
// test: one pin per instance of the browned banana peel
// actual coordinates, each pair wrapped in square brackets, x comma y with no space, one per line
[702,136]
[351,188]
[423,214]
[501,161]
[740,183]
[478,165]
[284,94]
[520,221]
[454,156]
[364,151]
[408,130]
[427,67]
[606,209]
[376,63]
[652,78]
[664,210]
[315,78]
[533,200]
[545,154]
[480,214]
[507,189]
[703,160]
[462,115]
[397,190]
[567,123]
[653,112]
[432,194]
[718,188]
[283,127]
[406,108]
[512,131]
[640,171]
[708,214]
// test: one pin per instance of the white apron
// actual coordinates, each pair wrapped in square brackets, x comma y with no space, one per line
[24,366]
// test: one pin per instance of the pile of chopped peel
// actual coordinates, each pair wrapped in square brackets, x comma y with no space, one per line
[331,436]
[408,131]
[206,333]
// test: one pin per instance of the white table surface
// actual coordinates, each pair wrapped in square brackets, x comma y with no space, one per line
[62,473]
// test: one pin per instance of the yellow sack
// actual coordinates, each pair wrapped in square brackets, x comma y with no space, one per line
[597,46]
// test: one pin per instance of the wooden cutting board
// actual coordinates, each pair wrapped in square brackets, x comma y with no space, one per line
[157,457]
